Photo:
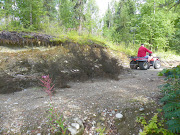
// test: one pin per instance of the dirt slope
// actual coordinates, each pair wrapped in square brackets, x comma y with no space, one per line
[94,100]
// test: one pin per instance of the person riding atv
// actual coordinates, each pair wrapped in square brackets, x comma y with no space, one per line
[142,52]
[144,61]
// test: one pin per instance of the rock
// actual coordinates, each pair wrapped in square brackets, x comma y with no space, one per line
[28,131]
[102,119]
[140,130]
[93,122]
[113,112]
[119,116]
[78,121]
[141,109]
[73,131]
[76,127]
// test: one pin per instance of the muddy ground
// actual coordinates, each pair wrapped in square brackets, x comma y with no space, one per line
[96,102]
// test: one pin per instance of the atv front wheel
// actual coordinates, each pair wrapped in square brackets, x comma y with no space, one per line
[157,64]
[143,65]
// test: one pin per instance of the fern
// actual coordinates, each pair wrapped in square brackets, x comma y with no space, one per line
[170,107]
[174,125]
[171,91]
[154,126]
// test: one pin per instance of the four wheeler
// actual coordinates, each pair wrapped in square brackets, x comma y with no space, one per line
[143,63]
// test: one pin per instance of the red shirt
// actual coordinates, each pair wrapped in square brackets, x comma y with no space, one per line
[142,51]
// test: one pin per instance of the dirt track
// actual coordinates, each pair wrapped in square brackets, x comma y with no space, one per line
[27,110]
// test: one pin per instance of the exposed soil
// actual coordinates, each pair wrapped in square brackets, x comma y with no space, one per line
[96,102]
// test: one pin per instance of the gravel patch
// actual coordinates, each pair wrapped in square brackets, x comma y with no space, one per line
[26,112]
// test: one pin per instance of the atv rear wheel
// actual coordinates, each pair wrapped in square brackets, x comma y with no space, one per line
[143,65]
[157,64]
[133,65]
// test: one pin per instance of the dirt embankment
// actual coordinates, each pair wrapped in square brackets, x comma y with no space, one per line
[24,39]
[22,68]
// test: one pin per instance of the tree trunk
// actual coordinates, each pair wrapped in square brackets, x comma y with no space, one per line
[31,14]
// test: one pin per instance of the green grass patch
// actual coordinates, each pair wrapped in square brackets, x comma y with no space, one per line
[130,50]
[168,56]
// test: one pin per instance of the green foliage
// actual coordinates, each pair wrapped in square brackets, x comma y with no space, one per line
[66,14]
[150,22]
[101,131]
[91,20]
[172,74]
[49,8]
[132,22]
[168,56]
[156,24]
[171,91]
[130,50]
[174,42]
[57,122]
[117,20]
[36,13]
[155,126]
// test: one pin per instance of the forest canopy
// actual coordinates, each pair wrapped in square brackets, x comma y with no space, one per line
[153,22]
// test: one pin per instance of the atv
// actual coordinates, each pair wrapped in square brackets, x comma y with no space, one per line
[143,63]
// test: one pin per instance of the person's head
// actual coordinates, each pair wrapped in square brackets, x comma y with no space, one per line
[142,45]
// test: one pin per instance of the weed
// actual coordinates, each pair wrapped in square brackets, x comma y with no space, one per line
[101,131]
[57,122]
[46,82]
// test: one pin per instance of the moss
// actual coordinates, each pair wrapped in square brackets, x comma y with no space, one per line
[27,36]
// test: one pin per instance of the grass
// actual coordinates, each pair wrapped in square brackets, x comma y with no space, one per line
[62,35]
[168,56]
[89,39]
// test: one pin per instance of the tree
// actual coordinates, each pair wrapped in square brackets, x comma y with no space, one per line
[174,6]
[155,25]
[118,20]
[30,13]
[154,22]
[49,7]
[78,10]
[66,13]
[108,23]
[6,11]
[124,15]
[91,16]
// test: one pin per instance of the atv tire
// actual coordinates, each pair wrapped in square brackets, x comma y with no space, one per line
[143,65]
[133,65]
[157,64]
